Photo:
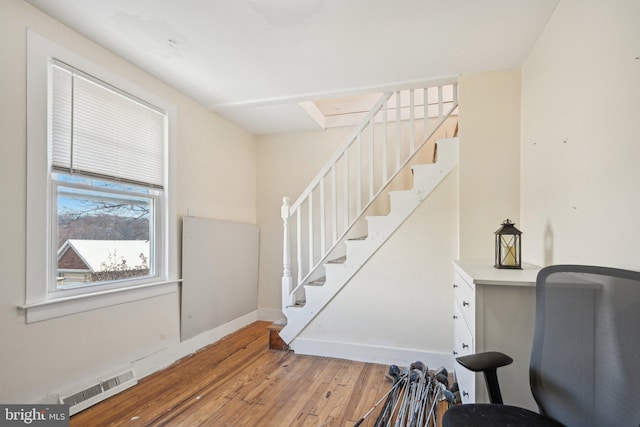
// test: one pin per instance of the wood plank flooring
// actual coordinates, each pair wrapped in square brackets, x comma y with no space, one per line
[238,381]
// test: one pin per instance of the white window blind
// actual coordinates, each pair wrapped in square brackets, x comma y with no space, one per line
[100,131]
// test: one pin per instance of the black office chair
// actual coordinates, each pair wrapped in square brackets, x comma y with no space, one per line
[585,360]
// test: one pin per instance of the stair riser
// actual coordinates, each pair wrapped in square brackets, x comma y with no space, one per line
[336,272]
[359,251]
[402,202]
[381,227]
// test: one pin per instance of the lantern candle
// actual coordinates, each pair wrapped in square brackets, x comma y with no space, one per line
[510,257]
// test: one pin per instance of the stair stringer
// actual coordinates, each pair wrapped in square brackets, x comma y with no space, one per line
[380,228]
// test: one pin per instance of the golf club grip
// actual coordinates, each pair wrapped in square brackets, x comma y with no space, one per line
[360,421]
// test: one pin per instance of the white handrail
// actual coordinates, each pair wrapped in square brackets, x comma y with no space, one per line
[317,250]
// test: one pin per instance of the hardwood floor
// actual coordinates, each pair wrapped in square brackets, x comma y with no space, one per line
[238,381]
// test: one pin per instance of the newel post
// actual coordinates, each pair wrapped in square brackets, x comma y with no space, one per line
[286,257]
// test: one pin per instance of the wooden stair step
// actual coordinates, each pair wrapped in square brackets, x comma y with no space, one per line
[275,342]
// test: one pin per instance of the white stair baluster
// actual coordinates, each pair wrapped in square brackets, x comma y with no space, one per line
[345,204]
[334,203]
[287,298]
[299,243]
[322,219]
[359,173]
[440,111]
[371,159]
[412,126]
[385,144]
[425,107]
[398,131]
[310,242]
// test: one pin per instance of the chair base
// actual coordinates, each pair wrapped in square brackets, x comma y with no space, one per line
[493,415]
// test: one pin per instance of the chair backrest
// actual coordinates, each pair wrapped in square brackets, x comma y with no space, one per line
[585,360]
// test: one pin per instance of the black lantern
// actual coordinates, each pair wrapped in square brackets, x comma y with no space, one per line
[508,246]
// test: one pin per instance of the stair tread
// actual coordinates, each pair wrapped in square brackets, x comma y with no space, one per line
[359,238]
[340,260]
[318,282]
[296,306]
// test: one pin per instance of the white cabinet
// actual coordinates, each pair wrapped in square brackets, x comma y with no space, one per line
[494,310]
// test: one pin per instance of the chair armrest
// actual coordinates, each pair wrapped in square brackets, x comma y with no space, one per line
[480,362]
[487,363]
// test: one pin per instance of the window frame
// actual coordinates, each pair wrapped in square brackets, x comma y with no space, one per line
[40,302]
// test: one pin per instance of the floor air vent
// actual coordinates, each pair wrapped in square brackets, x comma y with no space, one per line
[98,391]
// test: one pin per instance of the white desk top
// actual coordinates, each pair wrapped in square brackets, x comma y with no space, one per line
[482,272]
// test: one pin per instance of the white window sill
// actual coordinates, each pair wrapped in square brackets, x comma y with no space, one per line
[53,308]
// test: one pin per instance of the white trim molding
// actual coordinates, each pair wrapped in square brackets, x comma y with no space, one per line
[52,308]
[371,353]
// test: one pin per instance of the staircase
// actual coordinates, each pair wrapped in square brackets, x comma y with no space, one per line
[356,202]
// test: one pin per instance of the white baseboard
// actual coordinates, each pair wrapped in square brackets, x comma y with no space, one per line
[375,354]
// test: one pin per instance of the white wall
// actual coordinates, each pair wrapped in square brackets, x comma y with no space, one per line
[216,166]
[489,159]
[581,137]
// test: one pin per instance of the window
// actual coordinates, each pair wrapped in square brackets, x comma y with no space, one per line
[97,182]
[107,175]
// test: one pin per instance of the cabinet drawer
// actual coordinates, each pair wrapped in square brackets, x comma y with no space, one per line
[463,345]
[462,338]
[466,383]
[465,299]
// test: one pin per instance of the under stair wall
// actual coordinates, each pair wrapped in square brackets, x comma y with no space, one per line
[398,307]
[425,179]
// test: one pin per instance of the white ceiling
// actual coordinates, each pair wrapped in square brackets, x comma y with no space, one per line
[252,61]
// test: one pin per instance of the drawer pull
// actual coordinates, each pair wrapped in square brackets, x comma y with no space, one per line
[455,286]
[465,345]
[455,317]
[465,394]
[465,304]
[455,353]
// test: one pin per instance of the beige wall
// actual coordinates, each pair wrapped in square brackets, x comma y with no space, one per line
[216,166]
[489,159]
[581,137]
